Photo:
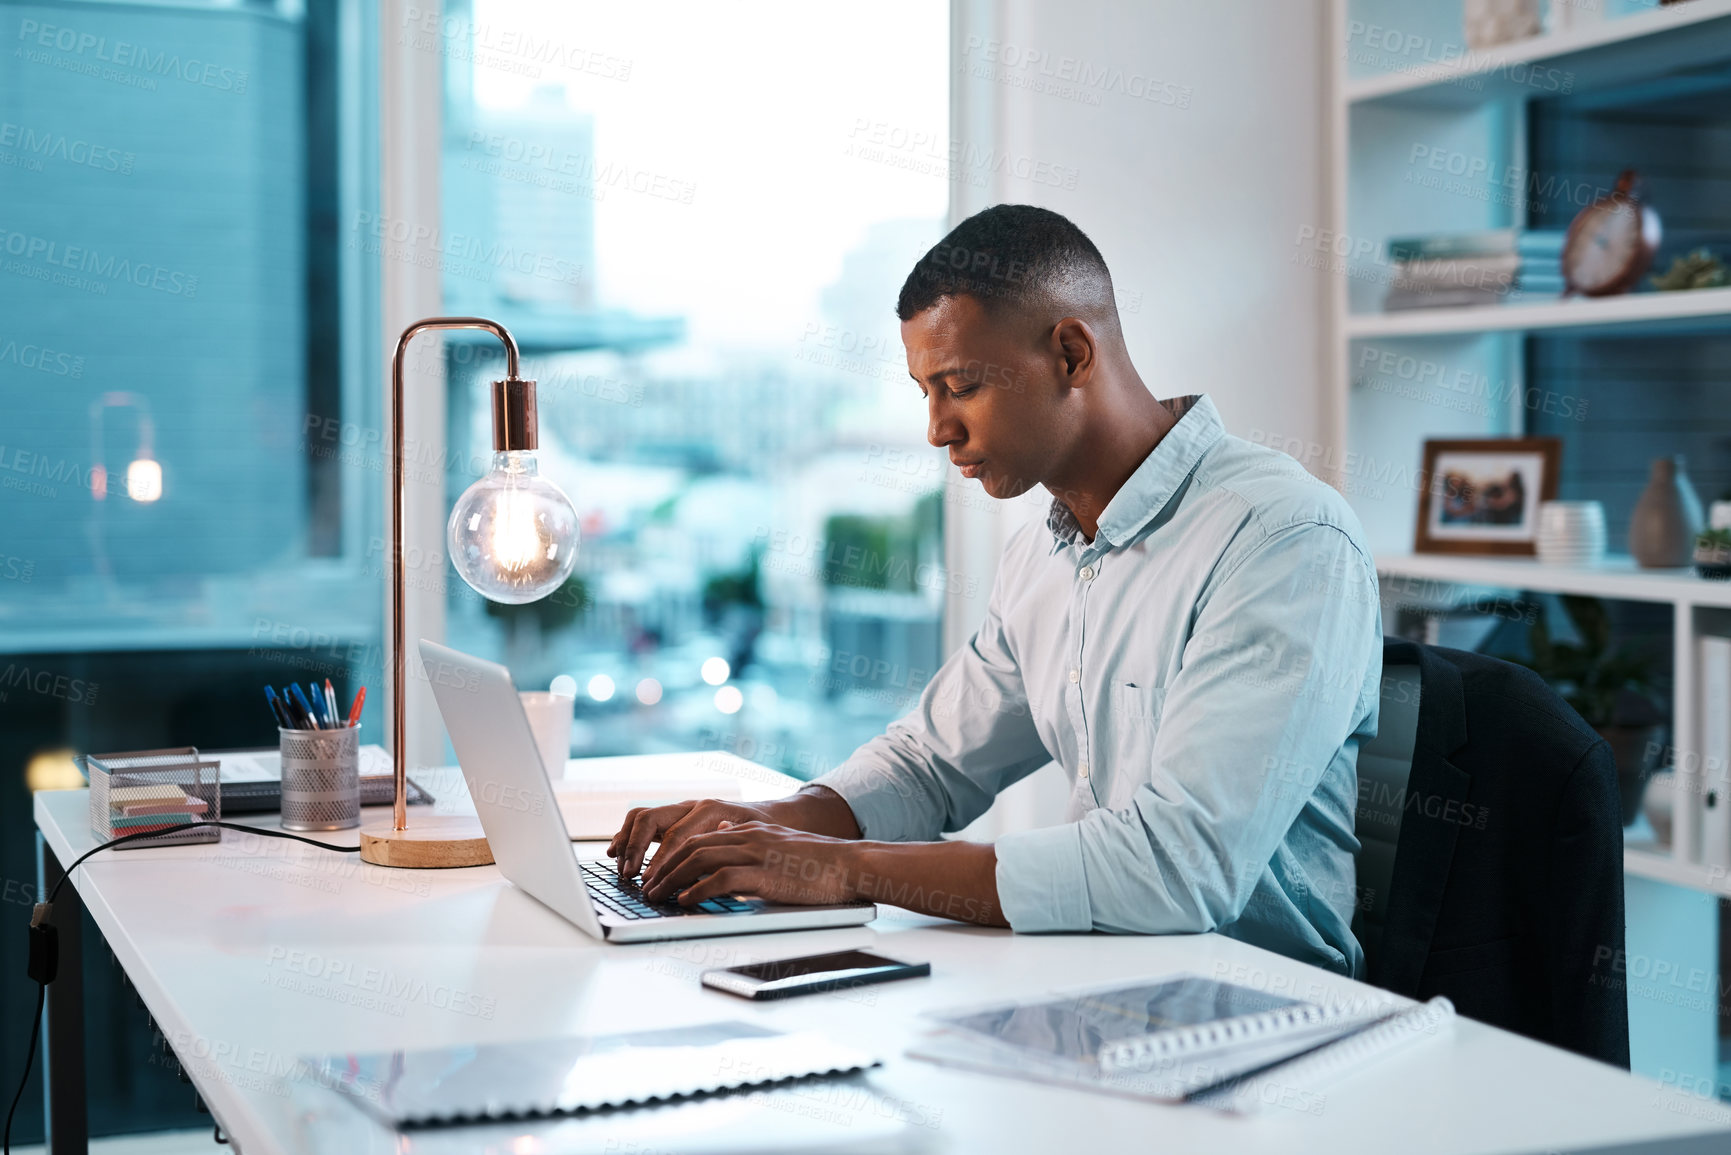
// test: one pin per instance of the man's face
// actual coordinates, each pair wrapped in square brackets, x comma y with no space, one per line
[994,393]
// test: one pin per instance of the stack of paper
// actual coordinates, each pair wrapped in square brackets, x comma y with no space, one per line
[138,809]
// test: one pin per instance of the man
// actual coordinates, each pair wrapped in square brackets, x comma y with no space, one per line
[1193,636]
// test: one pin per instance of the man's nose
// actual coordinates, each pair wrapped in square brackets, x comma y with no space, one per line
[942,428]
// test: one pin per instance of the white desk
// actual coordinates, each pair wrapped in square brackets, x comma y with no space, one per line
[251,952]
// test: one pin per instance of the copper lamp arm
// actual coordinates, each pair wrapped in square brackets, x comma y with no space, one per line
[514,428]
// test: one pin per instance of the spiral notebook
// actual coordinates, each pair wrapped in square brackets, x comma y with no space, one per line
[444,1086]
[1173,1039]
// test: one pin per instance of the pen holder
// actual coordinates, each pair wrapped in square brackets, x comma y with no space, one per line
[321,778]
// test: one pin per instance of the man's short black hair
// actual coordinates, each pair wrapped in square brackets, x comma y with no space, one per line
[1015,255]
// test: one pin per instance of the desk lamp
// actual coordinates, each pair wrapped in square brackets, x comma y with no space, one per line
[513,538]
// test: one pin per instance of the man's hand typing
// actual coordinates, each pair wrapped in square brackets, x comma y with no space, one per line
[815,810]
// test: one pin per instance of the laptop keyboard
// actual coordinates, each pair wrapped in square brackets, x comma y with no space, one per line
[624,898]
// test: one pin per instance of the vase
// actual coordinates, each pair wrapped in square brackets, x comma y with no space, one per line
[1667,518]
[1492,22]
[1658,802]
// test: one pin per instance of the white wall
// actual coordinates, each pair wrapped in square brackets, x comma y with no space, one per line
[1195,196]
[410,97]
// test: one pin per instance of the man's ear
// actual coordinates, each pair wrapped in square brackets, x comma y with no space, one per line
[1078,349]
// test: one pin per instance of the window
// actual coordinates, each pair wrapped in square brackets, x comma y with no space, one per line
[179,329]
[187,351]
[695,220]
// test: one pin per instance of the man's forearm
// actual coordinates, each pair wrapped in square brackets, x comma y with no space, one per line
[816,810]
[956,880]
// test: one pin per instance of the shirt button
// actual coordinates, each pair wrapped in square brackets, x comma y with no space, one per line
[1075,675]
[1084,769]
[1087,573]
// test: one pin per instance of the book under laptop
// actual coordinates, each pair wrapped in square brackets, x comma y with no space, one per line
[519,811]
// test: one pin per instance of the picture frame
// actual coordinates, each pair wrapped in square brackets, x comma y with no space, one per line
[1481,496]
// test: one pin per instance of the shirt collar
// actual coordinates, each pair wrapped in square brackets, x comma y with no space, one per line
[1155,481]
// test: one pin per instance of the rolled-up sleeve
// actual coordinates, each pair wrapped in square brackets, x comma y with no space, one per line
[1042,880]
[940,767]
[1273,682]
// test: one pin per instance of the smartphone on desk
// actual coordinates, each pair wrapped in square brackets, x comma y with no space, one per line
[811,973]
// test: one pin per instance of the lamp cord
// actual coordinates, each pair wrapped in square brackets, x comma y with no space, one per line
[45,943]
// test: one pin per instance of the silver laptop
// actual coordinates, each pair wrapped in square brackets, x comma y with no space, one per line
[514,798]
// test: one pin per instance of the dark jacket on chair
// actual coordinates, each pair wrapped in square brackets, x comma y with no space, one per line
[1507,890]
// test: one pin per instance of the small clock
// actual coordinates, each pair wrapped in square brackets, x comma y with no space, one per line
[1611,243]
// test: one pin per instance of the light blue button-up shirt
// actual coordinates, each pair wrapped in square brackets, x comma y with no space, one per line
[1203,671]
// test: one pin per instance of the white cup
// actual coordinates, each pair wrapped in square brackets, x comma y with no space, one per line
[550,720]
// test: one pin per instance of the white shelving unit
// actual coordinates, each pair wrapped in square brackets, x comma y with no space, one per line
[1413,113]
[1703,310]
[1617,578]
[1404,93]
[1650,860]
[1595,54]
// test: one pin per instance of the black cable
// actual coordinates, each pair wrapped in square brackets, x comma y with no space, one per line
[29,1061]
[43,943]
[175,829]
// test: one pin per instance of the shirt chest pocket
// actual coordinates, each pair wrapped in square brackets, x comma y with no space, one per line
[1135,719]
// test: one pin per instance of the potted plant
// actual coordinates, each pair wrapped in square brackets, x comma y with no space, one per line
[1611,687]
[1713,554]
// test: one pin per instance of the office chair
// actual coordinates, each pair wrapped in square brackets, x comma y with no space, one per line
[1491,868]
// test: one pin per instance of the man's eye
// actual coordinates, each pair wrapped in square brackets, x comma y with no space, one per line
[964,391]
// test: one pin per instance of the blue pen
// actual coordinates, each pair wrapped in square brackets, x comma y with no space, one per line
[318,705]
[291,703]
[291,711]
[306,707]
[276,709]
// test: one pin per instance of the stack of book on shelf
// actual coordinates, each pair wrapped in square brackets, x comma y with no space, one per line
[1454,270]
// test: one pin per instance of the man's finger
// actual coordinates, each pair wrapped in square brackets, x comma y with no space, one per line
[699,862]
[727,880]
[672,853]
[698,857]
[623,835]
[697,819]
[645,830]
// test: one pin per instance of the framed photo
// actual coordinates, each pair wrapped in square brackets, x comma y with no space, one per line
[1482,497]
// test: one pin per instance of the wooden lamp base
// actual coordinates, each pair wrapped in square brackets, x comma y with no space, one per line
[430,842]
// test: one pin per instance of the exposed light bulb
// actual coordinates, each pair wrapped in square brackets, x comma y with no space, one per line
[513,534]
[144,480]
[517,544]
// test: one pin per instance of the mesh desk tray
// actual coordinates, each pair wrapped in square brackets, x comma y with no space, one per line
[154,790]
